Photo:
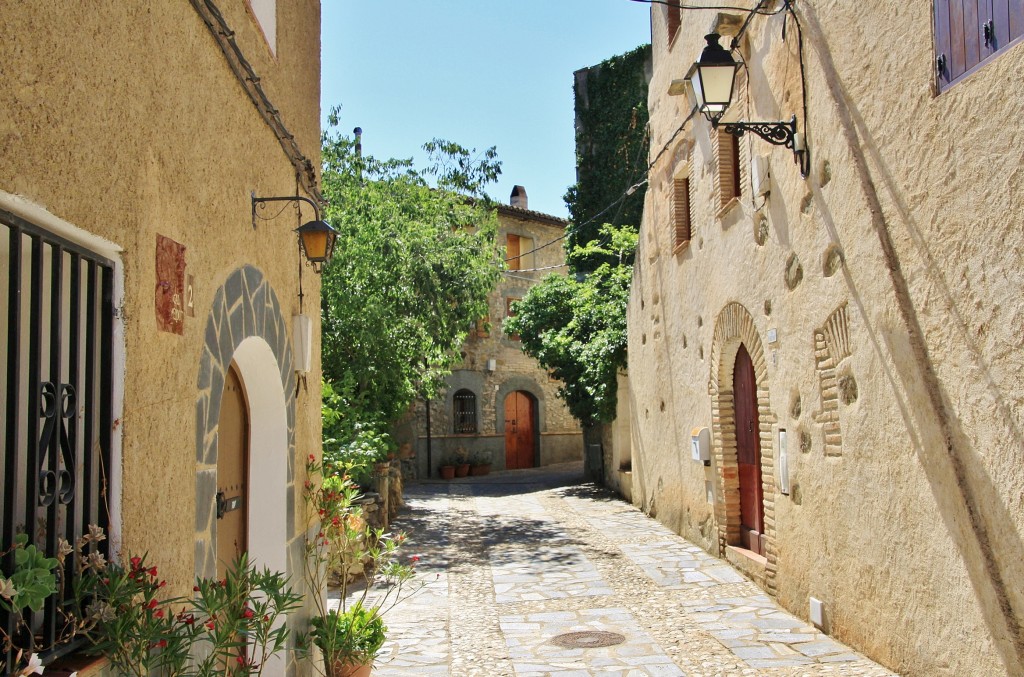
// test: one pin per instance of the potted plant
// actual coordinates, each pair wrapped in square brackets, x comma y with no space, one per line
[350,636]
[461,462]
[447,469]
[481,463]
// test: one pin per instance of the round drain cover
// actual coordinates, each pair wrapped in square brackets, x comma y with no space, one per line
[590,639]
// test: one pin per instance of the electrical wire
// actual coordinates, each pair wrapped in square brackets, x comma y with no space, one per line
[676,4]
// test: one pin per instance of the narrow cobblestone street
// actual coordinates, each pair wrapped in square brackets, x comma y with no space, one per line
[514,560]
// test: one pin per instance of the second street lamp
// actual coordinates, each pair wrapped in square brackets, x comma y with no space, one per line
[710,81]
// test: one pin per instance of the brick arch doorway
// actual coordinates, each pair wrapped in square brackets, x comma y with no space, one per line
[735,330]
[520,430]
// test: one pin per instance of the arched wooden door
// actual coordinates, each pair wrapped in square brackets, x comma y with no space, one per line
[232,473]
[520,413]
[748,453]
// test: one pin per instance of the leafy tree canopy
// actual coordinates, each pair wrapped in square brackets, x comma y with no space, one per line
[412,268]
[577,327]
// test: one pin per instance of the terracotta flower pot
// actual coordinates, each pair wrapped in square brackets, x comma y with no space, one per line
[343,668]
[461,470]
[447,472]
[482,469]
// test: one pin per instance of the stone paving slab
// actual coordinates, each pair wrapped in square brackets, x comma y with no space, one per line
[508,567]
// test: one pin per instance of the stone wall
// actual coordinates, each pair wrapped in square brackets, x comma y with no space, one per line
[559,436]
[880,301]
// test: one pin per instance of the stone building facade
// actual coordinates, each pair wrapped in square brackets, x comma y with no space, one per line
[850,343]
[499,403]
[142,291]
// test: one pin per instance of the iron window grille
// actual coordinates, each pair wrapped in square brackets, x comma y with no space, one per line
[56,338]
[464,404]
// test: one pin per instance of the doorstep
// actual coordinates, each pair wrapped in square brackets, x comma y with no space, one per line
[748,562]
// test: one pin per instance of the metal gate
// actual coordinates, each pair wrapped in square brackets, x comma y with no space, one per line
[56,339]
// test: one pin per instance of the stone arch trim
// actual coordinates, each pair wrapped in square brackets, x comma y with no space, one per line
[245,306]
[735,326]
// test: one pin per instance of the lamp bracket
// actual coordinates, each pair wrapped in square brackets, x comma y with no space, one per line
[261,201]
[776,133]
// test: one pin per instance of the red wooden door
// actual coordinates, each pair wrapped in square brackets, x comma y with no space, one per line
[748,453]
[519,431]
[232,473]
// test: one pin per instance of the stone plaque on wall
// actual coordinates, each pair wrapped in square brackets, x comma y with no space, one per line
[170,285]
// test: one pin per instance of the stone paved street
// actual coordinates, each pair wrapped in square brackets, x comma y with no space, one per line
[511,561]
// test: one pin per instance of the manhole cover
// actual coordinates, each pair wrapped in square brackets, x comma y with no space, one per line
[588,640]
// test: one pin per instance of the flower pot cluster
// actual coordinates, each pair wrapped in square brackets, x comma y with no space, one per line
[462,464]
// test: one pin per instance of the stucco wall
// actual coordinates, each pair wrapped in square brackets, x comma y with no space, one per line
[904,514]
[125,120]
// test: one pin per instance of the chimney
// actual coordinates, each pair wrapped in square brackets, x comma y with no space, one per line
[518,198]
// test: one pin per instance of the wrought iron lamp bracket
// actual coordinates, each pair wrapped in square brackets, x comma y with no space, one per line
[261,201]
[776,133]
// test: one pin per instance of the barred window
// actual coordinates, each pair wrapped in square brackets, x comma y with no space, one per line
[56,338]
[464,404]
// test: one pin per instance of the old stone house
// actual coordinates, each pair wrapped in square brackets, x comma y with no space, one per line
[148,302]
[499,403]
[825,371]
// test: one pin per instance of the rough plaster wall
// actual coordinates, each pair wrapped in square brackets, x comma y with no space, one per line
[883,532]
[125,120]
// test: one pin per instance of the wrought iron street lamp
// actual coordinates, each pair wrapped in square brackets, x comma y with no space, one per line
[316,238]
[711,82]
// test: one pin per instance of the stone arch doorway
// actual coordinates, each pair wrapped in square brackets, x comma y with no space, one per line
[521,430]
[246,331]
[735,330]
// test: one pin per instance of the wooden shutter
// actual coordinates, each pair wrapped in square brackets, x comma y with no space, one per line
[681,210]
[674,18]
[512,252]
[969,31]
[728,167]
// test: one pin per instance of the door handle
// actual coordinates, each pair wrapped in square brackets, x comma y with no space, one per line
[226,505]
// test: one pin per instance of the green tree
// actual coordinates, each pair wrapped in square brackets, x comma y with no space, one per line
[412,269]
[577,327]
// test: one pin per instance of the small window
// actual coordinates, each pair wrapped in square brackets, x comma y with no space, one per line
[265,13]
[681,217]
[464,405]
[674,18]
[728,167]
[510,313]
[519,252]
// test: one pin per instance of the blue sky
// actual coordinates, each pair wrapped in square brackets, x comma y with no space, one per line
[478,73]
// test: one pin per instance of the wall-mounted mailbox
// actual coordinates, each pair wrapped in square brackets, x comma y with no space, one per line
[700,445]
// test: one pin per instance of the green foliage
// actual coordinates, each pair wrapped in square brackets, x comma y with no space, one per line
[356,458]
[611,151]
[346,546]
[577,328]
[31,582]
[412,268]
[353,635]
[234,623]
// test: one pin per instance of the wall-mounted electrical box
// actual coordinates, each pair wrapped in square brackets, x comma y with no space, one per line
[700,445]
[783,463]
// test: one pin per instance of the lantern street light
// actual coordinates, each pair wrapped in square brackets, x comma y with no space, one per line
[316,238]
[710,82]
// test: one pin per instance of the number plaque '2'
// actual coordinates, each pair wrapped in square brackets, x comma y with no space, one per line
[56,406]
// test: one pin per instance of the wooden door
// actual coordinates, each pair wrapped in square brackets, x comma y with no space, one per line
[232,473]
[748,453]
[519,431]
